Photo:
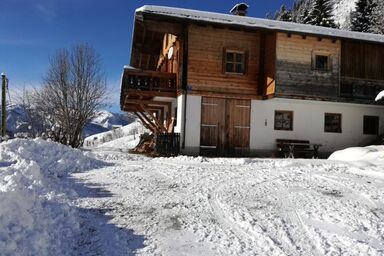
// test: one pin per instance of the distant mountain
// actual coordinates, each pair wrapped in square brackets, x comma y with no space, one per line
[105,120]
[18,121]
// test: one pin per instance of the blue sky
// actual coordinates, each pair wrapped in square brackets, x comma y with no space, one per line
[32,30]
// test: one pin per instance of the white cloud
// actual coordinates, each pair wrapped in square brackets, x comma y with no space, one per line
[113,95]
[46,12]
[19,41]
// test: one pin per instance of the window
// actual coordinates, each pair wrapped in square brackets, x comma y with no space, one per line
[321,62]
[284,120]
[332,123]
[371,125]
[235,62]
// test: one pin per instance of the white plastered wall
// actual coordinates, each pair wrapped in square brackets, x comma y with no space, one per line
[179,114]
[308,123]
[193,121]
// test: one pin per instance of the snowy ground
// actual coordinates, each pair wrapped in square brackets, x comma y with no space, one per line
[200,206]
[133,205]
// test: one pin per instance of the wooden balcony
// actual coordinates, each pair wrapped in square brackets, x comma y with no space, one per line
[147,84]
[138,91]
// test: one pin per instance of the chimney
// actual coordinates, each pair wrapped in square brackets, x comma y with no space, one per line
[240,9]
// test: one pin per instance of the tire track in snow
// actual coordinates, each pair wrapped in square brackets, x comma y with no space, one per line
[246,232]
[356,196]
[288,210]
[249,233]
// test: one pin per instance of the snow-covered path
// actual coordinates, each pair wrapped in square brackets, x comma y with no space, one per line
[200,206]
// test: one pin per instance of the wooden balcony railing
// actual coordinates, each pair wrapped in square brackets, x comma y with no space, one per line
[149,80]
[360,88]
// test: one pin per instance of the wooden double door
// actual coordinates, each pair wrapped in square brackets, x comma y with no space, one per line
[225,127]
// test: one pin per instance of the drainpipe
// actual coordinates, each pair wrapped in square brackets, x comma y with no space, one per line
[185,79]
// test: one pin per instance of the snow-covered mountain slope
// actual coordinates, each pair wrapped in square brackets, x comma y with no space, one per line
[108,119]
[105,120]
[18,121]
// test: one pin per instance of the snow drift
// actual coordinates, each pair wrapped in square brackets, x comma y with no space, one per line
[371,155]
[36,215]
[128,136]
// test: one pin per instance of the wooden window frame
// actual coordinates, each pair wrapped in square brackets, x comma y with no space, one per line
[369,130]
[339,129]
[234,62]
[290,121]
[314,61]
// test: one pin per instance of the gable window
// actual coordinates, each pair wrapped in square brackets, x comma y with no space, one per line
[371,125]
[321,62]
[283,120]
[234,62]
[332,122]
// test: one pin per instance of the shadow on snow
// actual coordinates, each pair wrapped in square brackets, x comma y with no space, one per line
[98,235]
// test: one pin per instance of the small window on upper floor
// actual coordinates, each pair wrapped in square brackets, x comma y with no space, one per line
[234,62]
[321,62]
[371,125]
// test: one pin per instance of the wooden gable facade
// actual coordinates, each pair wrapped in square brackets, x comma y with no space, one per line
[230,65]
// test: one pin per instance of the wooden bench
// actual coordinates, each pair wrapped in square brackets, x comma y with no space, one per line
[297,148]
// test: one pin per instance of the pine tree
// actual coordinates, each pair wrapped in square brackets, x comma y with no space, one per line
[284,14]
[377,18]
[300,11]
[322,14]
[305,18]
[361,17]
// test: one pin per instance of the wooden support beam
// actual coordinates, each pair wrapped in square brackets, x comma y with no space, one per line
[149,103]
[157,121]
[136,108]
[159,110]
[151,122]
[137,93]
[147,125]
[145,117]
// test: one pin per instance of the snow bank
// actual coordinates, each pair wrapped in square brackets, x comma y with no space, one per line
[36,216]
[380,96]
[371,155]
[132,131]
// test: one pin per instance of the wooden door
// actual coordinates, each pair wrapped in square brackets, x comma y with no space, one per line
[238,126]
[224,127]
[212,126]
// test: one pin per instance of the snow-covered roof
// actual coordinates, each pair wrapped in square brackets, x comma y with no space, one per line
[129,67]
[273,25]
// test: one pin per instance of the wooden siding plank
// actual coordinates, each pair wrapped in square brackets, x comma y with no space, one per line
[205,59]
[294,71]
[362,60]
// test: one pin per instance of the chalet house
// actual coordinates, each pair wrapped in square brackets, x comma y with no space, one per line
[231,85]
